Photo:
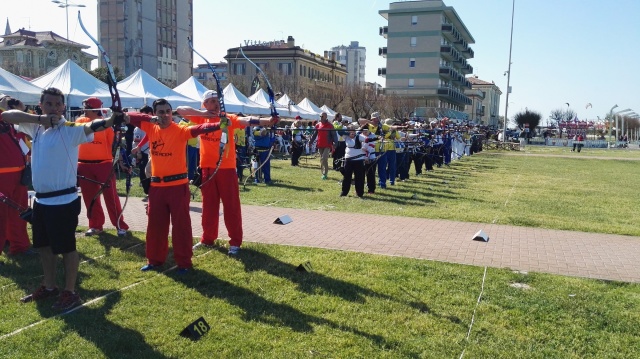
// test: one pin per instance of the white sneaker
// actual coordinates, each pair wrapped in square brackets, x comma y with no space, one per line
[122,232]
[234,250]
[92,232]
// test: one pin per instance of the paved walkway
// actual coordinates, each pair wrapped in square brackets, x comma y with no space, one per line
[590,255]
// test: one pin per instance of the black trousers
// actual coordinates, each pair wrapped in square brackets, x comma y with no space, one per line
[338,155]
[370,175]
[403,163]
[296,152]
[418,160]
[355,169]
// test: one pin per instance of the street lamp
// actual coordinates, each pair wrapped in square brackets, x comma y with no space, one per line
[508,73]
[65,4]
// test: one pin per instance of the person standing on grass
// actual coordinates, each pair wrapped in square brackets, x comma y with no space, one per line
[94,166]
[57,204]
[354,157]
[224,185]
[297,134]
[327,137]
[13,161]
[169,194]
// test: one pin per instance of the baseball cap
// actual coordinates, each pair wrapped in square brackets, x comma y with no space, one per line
[375,115]
[209,94]
[92,103]
[298,117]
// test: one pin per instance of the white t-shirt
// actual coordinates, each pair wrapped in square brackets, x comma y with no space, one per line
[54,158]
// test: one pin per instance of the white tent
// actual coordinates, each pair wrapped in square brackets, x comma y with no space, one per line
[262,98]
[77,85]
[192,88]
[236,101]
[17,87]
[331,114]
[145,86]
[285,100]
[309,106]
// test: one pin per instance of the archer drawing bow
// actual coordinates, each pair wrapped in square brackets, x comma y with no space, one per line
[224,121]
[116,106]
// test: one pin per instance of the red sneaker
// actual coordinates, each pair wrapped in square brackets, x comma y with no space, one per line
[67,300]
[39,294]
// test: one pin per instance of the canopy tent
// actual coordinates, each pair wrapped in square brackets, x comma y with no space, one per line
[235,101]
[309,106]
[192,88]
[284,100]
[19,88]
[332,114]
[77,85]
[262,99]
[145,86]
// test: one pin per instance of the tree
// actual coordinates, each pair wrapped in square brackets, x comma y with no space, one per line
[400,107]
[102,74]
[361,101]
[557,115]
[527,117]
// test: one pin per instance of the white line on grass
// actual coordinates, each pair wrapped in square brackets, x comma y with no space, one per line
[94,300]
[484,276]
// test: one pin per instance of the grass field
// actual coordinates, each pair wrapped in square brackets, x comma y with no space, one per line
[354,305]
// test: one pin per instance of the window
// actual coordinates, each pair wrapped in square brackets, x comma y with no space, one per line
[414,41]
[285,67]
[239,69]
[411,82]
[412,62]
[414,20]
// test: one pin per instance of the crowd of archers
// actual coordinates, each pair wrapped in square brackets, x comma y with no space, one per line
[173,148]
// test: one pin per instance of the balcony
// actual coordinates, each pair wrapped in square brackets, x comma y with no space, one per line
[384,30]
[466,69]
[382,71]
[446,52]
[382,51]
[454,95]
[468,52]
[446,72]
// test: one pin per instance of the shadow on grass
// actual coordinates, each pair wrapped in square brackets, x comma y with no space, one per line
[257,308]
[113,340]
[307,282]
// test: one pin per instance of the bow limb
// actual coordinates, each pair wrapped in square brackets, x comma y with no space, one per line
[116,106]
[224,121]
[272,106]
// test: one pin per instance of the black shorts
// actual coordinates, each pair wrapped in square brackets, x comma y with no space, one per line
[55,226]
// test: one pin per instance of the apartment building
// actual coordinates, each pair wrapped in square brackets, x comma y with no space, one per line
[427,54]
[354,57]
[149,35]
[485,102]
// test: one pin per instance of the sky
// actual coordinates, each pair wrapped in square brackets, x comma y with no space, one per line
[564,51]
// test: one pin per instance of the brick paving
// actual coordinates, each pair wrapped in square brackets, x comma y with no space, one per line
[588,255]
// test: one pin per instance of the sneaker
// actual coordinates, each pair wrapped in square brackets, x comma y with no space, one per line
[148,267]
[234,250]
[92,232]
[67,300]
[145,199]
[122,232]
[41,293]
[183,271]
[202,245]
